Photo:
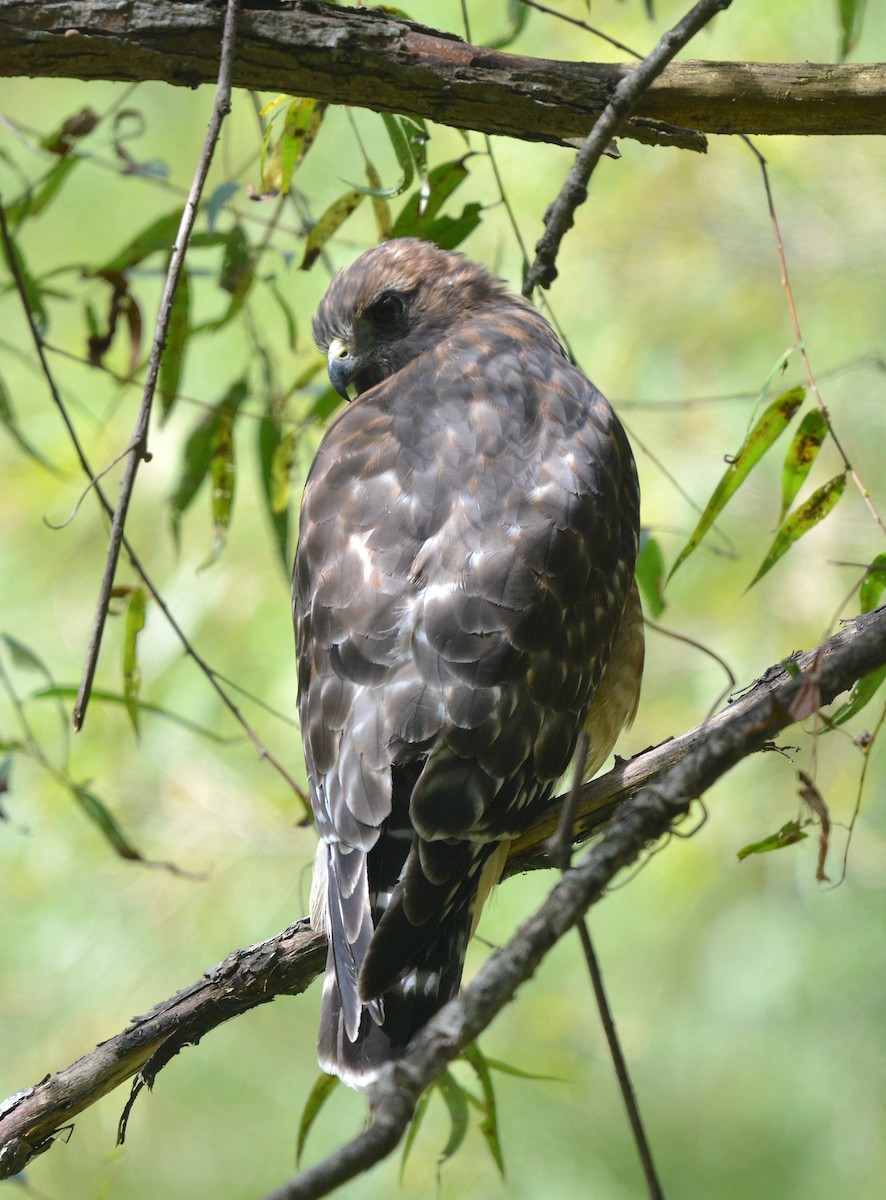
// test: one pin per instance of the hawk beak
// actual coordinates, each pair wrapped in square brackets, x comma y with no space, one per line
[342,366]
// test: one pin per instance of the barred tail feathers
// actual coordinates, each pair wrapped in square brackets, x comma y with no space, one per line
[380,990]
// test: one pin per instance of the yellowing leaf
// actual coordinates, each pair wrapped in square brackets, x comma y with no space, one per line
[768,428]
[380,206]
[334,217]
[801,454]
[800,521]
[300,128]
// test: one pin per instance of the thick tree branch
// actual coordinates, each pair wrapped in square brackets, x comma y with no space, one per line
[649,793]
[366,57]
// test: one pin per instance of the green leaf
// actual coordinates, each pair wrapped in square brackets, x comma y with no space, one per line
[802,452]
[173,357]
[417,136]
[517,12]
[97,812]
[236,278]
[788,835]
[276,451]
[403,149]
[288,314]
[412,1133]
[198,453]
[222,473]
[851,16]
[194,470]
[34,203]
[768,428]
[651,573]
[449,232]
[132,675]
[800,521]
[873,584]
[215,204]
[489,1123]
[862,694]
[415,218]
[495,1064]
[380,207]
[10,422]
[325,405]
[300,128]
[328,224]
[159,235]
[26,660]
[33,292]
[319,1094]
[456,1103]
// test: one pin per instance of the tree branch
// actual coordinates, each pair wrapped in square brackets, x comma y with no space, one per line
[649,793]
[368,58]
[560,215]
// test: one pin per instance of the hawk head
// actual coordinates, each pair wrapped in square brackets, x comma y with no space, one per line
[396,301]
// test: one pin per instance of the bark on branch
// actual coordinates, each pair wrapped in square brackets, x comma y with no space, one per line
[371,59]
[646,795]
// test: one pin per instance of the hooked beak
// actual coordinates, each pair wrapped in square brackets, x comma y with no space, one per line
[342,366]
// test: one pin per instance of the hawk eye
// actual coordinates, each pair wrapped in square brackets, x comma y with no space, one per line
[386,311]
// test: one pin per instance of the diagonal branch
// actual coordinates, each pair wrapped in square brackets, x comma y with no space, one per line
[646,795]
[638,823]
[371,58]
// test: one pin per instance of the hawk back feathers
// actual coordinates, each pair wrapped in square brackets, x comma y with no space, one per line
[465,565]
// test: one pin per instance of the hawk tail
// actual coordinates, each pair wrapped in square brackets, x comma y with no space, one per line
[387,1023]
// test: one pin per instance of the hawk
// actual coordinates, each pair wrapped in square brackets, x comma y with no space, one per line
[464,603]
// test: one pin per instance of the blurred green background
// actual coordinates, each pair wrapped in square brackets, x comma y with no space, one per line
[749,997]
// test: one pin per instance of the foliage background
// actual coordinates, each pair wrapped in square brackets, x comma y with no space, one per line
[748,996]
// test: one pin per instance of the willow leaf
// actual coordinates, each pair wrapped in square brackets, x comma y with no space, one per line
[767,430]
[863,692]
[319,1094]
[802,452]
[800,521]
[328,224]
[789,834]
[874,584]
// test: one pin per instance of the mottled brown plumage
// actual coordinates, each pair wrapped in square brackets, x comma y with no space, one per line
[465,566]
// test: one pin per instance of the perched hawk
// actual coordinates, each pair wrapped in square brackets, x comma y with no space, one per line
[464,603]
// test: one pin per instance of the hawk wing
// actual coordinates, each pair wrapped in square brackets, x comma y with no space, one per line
[466,555]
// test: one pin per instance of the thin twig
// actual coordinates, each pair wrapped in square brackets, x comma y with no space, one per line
[599,33]
[138,447]
[560,850]
[697,645]
[801,346]
[559,217]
